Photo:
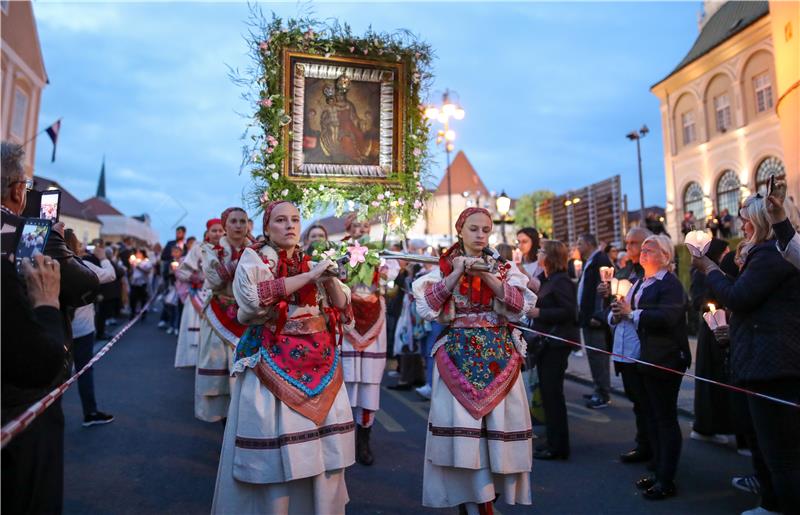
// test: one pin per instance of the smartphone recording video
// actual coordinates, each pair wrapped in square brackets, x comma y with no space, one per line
[32,238]
[50,207]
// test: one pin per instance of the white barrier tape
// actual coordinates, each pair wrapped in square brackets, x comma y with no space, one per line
[19,424]
[686,374]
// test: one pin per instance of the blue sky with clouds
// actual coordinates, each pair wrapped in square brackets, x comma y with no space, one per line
[550,90]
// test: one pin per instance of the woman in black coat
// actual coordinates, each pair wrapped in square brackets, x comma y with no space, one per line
[765,347]
[656,309]
[555,313]
[712,414]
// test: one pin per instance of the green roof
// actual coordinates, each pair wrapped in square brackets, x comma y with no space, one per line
[731,18]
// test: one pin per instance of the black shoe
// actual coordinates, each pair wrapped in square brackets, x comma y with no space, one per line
[542,447]
[588,396]
[547,454]
[363,452]
[660,491]
[635,456]
[401,386]
[597,402]
[97,418]
[645,482]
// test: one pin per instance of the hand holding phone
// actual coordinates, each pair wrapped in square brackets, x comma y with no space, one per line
[776,195]
[43,279]
[33,237]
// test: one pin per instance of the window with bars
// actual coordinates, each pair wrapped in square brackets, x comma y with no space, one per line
[722,110]
[729,195]
[769,167]
[687,121]
[693,200]
[763,90]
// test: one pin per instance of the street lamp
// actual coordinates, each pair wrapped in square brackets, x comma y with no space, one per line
[503,204]
[446,135]
[633,135]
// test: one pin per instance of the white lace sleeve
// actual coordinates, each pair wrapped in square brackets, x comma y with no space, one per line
[518,281]
[430,295]
[250,284]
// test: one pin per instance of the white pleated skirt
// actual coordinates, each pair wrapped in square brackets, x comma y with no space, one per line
[363,372]
[276,461]
[212,385]
[468,460]
[188,337]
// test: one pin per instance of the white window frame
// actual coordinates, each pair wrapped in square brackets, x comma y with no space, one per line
[688,125]
[23,117]
[722,112]
[762,89]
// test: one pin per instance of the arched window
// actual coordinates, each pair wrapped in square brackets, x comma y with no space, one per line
[729,194]
[693,200]
[769,167]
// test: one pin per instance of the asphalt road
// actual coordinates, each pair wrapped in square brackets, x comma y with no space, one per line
[157,458]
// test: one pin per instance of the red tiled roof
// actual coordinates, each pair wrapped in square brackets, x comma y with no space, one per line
[98,206]
[463,178]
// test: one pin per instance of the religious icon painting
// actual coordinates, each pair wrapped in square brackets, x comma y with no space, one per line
[346,118]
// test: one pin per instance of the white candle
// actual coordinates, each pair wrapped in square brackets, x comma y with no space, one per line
[606,273]
[578,265]
[712,307]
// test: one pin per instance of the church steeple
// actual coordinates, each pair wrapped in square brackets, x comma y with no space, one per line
[101,184]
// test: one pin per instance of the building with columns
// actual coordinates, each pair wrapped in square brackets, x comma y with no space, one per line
[722,134]
[23,78]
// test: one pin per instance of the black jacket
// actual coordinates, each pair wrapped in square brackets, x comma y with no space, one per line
[557,309]
[765,324]
[589,302]
[33,343]
[662,326]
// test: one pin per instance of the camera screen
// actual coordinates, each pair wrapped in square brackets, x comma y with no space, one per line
[49,205]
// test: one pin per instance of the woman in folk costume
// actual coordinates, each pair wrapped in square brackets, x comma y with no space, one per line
[289,434]
[478,445]
[364,349]
[219,329]
[190,285]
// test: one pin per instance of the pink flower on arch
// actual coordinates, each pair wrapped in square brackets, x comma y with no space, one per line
[357,254]
[417,152]
[417,204]
[267,102]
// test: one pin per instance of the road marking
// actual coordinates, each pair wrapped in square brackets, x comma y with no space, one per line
[578,411]
[389,423]
[416,407]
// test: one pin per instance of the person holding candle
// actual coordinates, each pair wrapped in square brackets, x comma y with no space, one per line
[590,319]
[651,325]
[477,386]
[289,434]
[554,314]
[765,346]
[712,416]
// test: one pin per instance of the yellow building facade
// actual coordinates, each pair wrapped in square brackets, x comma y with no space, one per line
[722,134]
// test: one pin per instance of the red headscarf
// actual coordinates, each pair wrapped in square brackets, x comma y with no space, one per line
[462,218]
[268,212]
[471,286]
[225,214]
[212,222]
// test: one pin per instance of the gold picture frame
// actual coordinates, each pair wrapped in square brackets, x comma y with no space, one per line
[347,118]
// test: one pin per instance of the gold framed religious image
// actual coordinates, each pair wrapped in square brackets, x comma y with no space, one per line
[346,118]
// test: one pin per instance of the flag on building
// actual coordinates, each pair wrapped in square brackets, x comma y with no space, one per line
[52,131]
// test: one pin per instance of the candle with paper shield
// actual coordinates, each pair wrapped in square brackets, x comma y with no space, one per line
[715,317]
[578,266]
[606,273]
[620,287]
[697,242]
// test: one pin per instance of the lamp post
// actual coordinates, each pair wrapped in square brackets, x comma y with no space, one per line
[633,135]
[446,135]
[503,204]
